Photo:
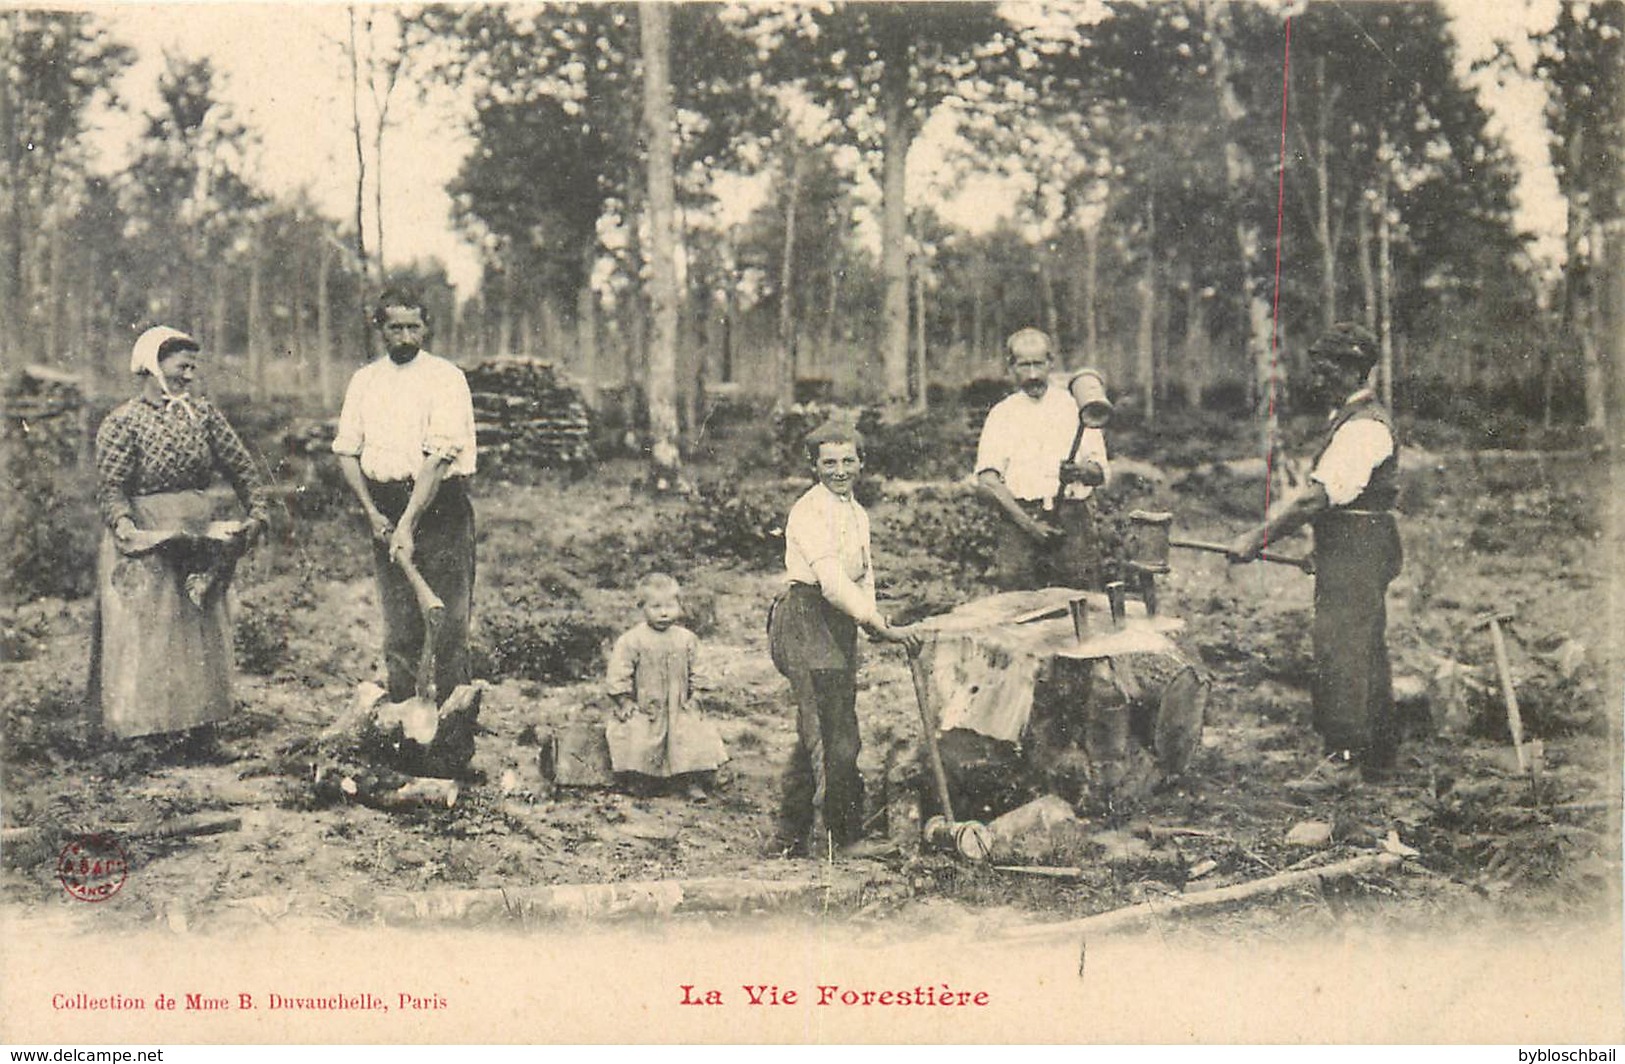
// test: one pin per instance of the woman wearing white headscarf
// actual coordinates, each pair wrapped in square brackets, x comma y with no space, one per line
[161,657]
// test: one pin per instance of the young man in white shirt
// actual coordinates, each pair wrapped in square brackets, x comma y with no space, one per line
[812,635]
[1038,462]
[406,447]
[1349,503]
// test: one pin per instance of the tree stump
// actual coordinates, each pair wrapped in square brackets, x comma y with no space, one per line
[394,755]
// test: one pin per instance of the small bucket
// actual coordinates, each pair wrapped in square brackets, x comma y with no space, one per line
[580,755]
[1088,390]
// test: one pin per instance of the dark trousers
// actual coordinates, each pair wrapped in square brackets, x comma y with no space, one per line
[1357,555]
[444,554]
[1073,560]
[814,646]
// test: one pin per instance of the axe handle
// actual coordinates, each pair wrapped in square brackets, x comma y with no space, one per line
[1269,556]
[427,599]
[433,610]
[928,719]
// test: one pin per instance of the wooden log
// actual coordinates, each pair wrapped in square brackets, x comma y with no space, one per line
[176,828]
[1159,833]
[383,788]
[1047,871]
[573,901]
[412,794]
[1116,920]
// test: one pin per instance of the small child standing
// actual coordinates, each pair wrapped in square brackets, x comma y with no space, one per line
[658,732]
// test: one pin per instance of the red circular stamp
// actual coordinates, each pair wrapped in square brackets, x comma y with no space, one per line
[92,867]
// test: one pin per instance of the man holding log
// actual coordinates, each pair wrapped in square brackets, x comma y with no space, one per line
[1041,455]
[1349,503]
[406,447]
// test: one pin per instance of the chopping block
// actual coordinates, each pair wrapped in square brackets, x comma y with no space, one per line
[1028,705]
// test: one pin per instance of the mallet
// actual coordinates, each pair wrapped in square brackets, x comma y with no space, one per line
[970,837]
[1148,539]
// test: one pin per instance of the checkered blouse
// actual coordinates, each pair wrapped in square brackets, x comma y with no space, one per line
[147,446]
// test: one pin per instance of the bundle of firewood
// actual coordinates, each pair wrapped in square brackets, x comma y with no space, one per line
[526,413]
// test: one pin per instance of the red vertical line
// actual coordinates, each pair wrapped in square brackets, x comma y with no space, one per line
[1275,320]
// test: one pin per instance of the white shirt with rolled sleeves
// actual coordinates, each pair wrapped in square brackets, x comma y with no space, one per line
[826,545]
[394,416]
[1357,448]
[1025,440]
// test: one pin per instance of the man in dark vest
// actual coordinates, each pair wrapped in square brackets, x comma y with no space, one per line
[1350,505]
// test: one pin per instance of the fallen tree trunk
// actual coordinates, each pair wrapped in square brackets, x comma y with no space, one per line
[24,847]
[1121,919]
[582,901]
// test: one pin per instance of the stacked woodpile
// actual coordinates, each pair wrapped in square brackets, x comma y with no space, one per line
[526,413]
[48,525]
[46,407]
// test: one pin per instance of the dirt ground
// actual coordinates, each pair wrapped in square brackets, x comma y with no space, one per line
[557,558]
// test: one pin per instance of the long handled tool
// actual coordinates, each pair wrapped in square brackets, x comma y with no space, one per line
[1503,666]
[970,837]
[1304,564]
[434,610]
[928,722]
[1148,539]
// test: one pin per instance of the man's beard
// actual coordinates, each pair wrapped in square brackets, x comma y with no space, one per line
[403,352]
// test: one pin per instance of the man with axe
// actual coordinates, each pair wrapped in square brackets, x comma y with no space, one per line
[405,445]
[1349,503]
[1040,456]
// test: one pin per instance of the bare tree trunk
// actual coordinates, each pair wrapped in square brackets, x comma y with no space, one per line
[654,25]
[894,223]
[978,313]
[218,304]
[53,299]
[1385,284]
[837,272]
[1198,352]
[505,314]
[256,325]
[324,331]
[787,290]
[82,314]
[1323,198]
[1615,264]
[1368,277]
[1144,337]
[1239,179]
[1091,272]
[921,399]
[587,341]
[1046,299]
[360,187]
[1591,333]
[730,308]
[11,270]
